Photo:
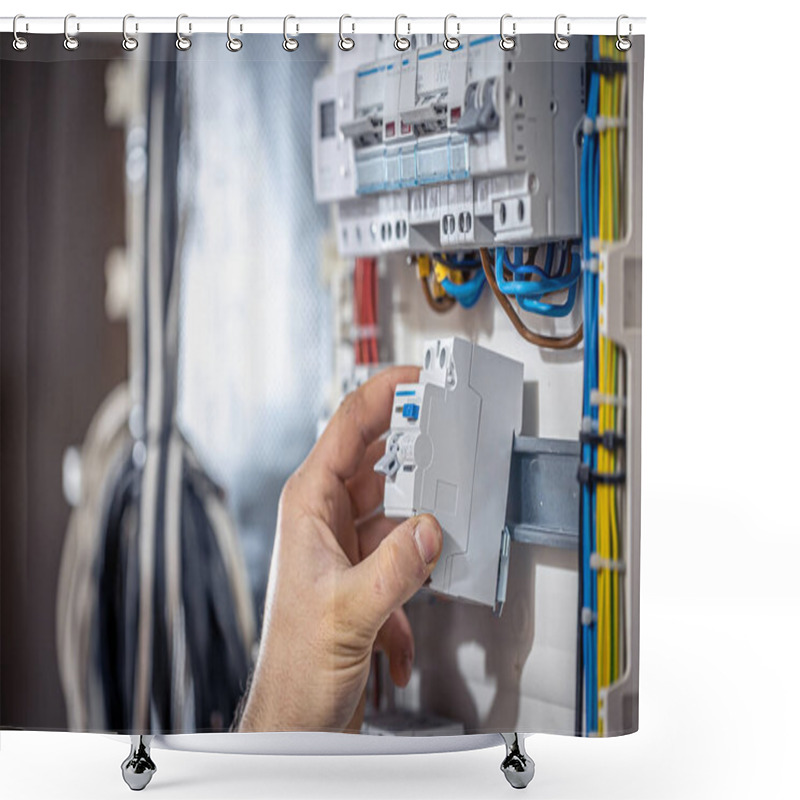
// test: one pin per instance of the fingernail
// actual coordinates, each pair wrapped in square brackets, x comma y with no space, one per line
[427,536]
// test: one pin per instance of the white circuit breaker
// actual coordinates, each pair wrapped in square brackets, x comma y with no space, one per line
[449,454]
[436,150]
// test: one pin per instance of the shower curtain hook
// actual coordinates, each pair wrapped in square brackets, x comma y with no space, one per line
[507,42]
[233,44]
[346,42]
[451,42]
[182,42]
[129,43]
[560,42]
[400,42]
[20,43]
[623,42]
[289,44]
[70,42]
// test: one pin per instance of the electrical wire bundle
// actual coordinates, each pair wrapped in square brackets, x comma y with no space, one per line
[533,286]
[602,435]
[530,284]
[155,621]
[457,279]
[365,310]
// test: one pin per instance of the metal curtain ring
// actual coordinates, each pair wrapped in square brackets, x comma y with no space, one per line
[451,42]
[560,42]
[345,42]
[20,43]
[507,42]
[70,42]
[182,42]
[233,44]
[623,42]
[129,43]
[289,44]
[400,42]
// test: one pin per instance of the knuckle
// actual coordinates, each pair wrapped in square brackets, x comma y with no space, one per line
[288,492]
[351,403]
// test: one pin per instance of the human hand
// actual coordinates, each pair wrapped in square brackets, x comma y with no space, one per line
[337,584]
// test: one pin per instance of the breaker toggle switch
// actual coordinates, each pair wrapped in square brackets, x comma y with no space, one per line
[401,453]
[389,462]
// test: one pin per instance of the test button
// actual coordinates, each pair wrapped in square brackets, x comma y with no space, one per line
[411,411]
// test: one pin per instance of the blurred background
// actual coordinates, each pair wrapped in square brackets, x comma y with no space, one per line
[114,174]
[62,211]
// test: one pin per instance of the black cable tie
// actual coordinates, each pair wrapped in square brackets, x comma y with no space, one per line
[587,475]
[611,440]
[608,67]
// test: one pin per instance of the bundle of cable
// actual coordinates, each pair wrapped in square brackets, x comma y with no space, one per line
[155,616]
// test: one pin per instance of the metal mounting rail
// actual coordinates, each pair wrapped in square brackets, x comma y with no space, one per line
[543,503]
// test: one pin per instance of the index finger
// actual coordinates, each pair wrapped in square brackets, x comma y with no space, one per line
[361,418]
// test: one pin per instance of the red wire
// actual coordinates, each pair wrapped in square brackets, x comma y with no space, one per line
[358,303]
[363,348]
[365,321]
[365,304]
[373,308]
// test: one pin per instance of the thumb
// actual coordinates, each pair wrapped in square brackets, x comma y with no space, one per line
[397,568]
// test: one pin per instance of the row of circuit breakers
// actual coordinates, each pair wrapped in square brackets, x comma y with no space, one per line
[430,149]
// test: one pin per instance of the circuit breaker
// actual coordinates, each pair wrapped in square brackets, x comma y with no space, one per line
[439,150]
[448,453]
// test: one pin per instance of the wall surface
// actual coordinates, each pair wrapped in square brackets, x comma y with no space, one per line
[62,210]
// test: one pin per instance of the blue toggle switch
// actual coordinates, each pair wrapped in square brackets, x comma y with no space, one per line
[411,411]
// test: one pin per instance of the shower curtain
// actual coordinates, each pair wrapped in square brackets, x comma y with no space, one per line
[224,505]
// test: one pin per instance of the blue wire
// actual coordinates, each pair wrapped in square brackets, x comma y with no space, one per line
[592,356]
[467,293]
[585,450]
[528,269]
[522,269]
[550,309]
[531,288]
[589,196]
[593,369]
[469,302]
[527,293]
[466,289]
[588,588]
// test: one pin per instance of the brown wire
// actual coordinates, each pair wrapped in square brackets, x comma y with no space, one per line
[439,305]
[552,342]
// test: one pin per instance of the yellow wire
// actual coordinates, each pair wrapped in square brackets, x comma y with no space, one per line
[609,458]
[599,495]
[615,111]
[613,148]
[605,491]
[609,621]
[600,499]
[615,632]
[605,161]
[600,529]
[615,97]
[442,272]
